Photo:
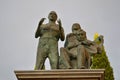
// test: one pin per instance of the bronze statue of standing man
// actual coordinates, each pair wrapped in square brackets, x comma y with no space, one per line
[49,34]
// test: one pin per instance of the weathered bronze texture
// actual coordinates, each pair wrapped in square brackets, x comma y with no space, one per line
[77,52]
[49,34]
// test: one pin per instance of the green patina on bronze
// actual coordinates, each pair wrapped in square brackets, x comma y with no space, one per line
[78,50]
[49,34]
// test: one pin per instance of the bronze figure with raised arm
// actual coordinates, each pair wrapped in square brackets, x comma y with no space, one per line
[49,34]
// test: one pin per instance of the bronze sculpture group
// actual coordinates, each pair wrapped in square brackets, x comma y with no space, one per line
[76,53]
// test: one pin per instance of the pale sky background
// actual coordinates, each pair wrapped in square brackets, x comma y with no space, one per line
[19,20]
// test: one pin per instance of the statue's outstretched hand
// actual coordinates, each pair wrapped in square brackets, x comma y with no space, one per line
[37,34]
[42,20]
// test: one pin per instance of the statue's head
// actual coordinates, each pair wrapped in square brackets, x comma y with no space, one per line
[52,16]
[76,28]
[80,33]
[81,36]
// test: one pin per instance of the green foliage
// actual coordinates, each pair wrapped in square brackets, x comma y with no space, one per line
[100,61]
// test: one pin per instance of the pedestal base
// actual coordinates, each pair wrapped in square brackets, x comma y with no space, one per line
[60,74]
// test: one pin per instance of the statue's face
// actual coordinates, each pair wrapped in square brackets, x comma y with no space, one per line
[81,36]
[52,16]
[76,29]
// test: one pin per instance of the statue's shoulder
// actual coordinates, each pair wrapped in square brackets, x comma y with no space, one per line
[70,35]
[82,31]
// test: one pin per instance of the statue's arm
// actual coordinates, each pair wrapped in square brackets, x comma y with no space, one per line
[70,44]
[62,34]
[37,33]
[87,42]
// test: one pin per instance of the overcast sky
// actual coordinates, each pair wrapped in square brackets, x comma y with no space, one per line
[19,20]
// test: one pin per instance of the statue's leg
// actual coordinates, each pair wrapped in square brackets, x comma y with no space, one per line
[81,59]
[40,60]
[53,56]
[41,57]
[65,59]
[88,60]
[74,63]
[73,57]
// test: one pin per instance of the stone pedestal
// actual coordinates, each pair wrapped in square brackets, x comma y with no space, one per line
[61,74]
